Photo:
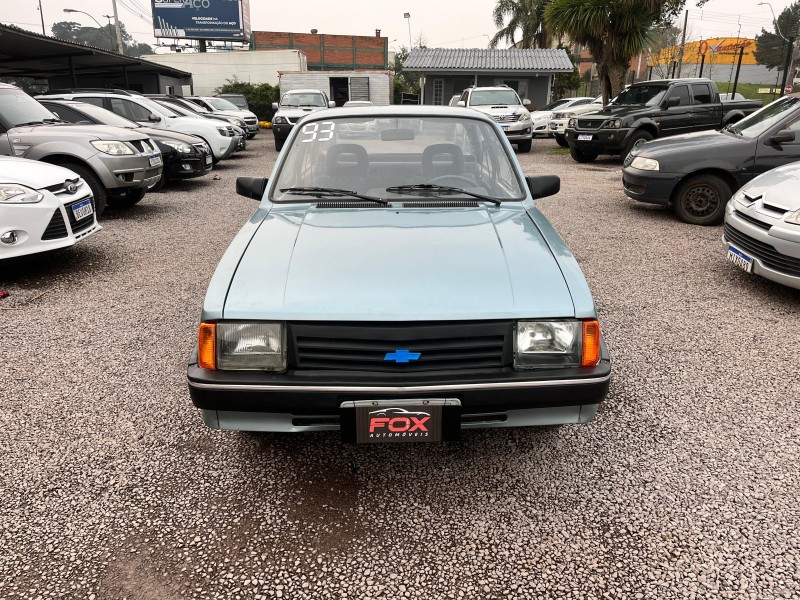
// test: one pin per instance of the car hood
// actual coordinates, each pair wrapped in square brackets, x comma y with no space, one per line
[778,187]
[168,134]
[701,143]
[381,263]
[242,114]
[32,173]
[69,132]
[502,109]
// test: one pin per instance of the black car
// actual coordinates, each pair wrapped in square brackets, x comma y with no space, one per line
[184,156]
[698,173]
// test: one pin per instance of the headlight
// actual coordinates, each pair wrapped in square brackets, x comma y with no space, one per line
[114,148]
[526,116]
[572,123]
[18,194]
[645,164]
[279,120]
[241,346]
[793,217]
[223,131]
[179,146]
[613,123]
[548,344]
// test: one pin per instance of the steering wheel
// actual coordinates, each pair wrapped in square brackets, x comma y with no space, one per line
[459,180]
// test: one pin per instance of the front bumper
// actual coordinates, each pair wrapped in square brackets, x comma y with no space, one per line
[603,141]
[282,130]
[649,186]
[123,173]
[517,132]
[557,126]
[186,166]
[226,148]
[311,400]
[540,127]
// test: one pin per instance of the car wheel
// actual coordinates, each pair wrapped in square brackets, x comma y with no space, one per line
[94,183]
[701,200]
[129,199]
[524,146]
[637,139]
[562,141]
[581,156]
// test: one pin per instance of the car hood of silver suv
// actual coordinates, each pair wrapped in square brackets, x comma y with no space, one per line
[68,132]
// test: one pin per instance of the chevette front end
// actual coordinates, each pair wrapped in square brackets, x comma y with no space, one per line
[408,273]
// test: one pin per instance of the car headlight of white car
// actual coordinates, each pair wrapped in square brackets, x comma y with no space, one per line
[223,131]
[526,116]
[645,164]
[11,193]
[793,217]
[543,344]
[242,346]
[112,147]
[179,146]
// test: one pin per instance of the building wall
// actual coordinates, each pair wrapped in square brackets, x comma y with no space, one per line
[329,52]
[146,83]
[380,83]
[535,88]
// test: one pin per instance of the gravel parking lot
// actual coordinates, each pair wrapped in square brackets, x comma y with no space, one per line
[685,486]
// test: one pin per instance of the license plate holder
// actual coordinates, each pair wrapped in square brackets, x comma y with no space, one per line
[740,259]
[400,421]
[82,209]
[585,137]
[155,160]
[208,159]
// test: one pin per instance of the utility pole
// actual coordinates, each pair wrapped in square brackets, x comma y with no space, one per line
[41,14]
[788,63]
[683,42]
[120,47]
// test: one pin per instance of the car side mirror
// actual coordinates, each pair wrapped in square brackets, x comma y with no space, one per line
[674,101]
[154,118]
[274,106]
[542,186]
[526,102]
[331,104]
[251,187]
[461,103]
[782,137]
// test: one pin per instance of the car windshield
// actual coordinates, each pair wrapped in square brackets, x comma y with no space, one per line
[158,108]
[650,95]
[189,106]
[489,97]
[303,99]
[177,110]
[425,154]
[18,108]
[765,118]
[554,105]
[221,104]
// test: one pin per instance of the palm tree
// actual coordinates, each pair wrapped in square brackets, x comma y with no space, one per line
[525,16]
[613,30]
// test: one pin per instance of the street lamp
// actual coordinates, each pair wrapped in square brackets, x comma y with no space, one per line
[407,16]
[72,10]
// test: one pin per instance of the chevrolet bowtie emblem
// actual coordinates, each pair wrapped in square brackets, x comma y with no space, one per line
[402,356]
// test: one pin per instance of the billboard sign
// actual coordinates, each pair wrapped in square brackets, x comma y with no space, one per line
[227,20]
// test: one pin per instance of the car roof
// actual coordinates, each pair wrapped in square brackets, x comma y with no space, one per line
[397,110]
[304,91]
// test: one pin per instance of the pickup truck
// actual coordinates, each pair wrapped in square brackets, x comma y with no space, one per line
[698,173]
[649,110]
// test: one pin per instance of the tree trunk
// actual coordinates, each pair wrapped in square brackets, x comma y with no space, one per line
[616,78]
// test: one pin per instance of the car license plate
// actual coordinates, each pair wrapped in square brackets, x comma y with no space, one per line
[585,137]
[208,159]
[155,160]
[553,126]
[504,127]
[740,259]
[401,421]
[82,209]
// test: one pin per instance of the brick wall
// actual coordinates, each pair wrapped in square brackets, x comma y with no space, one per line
[329,52]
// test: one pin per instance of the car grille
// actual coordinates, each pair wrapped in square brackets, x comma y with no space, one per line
[764,252]
[590,123]
[506,118]
[56,228]
[143,146]
[752,221]
[202,148]
[61,188]
[251,120]
[84,223]
[364,346]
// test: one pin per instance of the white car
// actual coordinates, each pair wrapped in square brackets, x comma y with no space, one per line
[223,106]
[541,117]
[762,226]
[503,104]
[560,118]
[42,207]
[295,105]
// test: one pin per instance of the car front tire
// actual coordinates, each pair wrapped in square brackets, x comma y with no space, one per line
[581,156]
[701,200]
[94,183]
[637,139]
[524,146]
[562,141]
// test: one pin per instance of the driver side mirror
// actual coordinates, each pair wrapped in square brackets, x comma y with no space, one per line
[274,106]
[331,104]
[251,187]
[526,102]
[782,137]
[542,186]
[673,101]
[154,118]
[461,103]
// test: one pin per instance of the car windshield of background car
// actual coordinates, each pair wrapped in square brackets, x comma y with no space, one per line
[159,109]
[650,95]
[290,99]
[18,108]
[221,104]
[397,150]
[489,97]
[555,104]
[757,123]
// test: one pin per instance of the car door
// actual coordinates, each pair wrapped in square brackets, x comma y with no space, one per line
[678,118]
[133,111]
[770,155]
[705,111]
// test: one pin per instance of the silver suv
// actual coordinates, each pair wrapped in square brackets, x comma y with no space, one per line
[295,105]
[119,165]
[503,104]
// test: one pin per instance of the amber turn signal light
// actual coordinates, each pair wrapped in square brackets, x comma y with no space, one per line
[591,344]
[206,346]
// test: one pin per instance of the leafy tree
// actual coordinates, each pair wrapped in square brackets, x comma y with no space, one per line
[525,17]
[404,82]
[259,96]
[104,37]
[771,47]
[664,45]
[566,82]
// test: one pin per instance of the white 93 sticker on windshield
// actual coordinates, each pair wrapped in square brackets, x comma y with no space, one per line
[318,132]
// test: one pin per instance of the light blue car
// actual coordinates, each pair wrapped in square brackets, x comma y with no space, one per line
[398,289]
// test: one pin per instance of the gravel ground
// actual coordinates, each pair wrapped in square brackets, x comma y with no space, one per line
[685,486]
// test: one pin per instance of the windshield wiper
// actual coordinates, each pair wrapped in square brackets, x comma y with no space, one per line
[730,127]
[323,192]
[429,187]
[26,123]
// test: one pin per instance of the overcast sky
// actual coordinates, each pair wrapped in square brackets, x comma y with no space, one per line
[443,23]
